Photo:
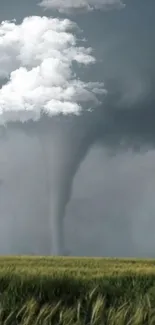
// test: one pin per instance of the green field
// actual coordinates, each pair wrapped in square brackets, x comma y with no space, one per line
[62,291]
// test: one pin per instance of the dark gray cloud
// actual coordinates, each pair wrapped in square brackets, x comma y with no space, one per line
[79,6]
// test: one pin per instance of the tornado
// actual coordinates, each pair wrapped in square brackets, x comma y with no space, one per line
[56,144]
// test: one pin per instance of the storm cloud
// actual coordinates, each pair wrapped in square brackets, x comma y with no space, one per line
[122,127]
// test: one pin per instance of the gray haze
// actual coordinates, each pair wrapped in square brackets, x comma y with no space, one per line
[111,209]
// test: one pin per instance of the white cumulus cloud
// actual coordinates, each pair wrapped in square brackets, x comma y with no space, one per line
[71,6]
[37,58]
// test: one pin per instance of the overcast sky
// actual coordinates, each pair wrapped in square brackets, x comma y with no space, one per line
[112,207]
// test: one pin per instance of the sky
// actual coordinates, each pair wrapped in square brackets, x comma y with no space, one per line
[111,211]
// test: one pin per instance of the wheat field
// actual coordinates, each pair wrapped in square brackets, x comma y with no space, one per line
[76,291]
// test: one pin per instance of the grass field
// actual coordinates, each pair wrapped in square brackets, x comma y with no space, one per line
[62,291]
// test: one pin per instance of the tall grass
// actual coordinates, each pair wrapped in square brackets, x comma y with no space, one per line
[90,311]
[62,291]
